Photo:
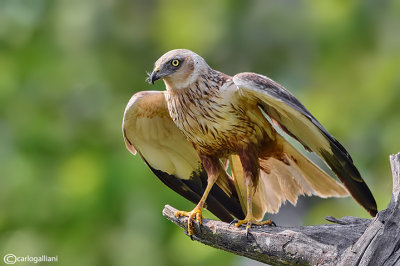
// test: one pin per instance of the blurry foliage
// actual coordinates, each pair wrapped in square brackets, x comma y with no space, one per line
[68,186]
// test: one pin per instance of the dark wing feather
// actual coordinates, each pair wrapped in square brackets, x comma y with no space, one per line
[149,130]
[218,202]
[293,118]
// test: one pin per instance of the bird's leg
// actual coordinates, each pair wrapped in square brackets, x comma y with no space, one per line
[196,213]
[250,219]
[213,169]
[251,174]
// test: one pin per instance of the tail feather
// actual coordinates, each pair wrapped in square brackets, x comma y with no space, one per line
[313,178]
[238,178]
[284,179]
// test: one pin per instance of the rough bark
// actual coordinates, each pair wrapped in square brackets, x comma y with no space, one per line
[350,241]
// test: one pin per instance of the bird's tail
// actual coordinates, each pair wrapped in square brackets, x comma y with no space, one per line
[285,177]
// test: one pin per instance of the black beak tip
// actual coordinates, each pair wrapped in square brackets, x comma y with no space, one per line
[154,77]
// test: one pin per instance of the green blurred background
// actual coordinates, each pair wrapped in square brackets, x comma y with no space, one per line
[68,186]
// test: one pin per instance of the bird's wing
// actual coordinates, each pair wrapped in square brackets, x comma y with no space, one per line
[286,112]
[149,130]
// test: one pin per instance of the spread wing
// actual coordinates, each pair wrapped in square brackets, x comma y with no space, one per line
[149,130]
[286,112]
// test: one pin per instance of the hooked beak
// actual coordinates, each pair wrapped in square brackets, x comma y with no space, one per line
[155,75]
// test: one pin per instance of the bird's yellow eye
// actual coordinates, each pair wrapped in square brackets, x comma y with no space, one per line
[175,62]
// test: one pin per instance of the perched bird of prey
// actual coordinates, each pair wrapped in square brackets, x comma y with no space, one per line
[207,120]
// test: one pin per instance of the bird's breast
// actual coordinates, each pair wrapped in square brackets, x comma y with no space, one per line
[215,124]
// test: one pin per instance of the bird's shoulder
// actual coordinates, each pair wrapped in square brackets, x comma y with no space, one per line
[147,104]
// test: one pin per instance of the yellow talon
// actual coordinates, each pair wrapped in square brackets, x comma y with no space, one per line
[251,221]
[196,213]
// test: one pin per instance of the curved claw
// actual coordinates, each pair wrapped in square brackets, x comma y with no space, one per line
[248,226]
[190,227]
[268,222]
[199,218]
[199,225]
[233,221]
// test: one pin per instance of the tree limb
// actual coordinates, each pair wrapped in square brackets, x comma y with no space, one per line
[351,241]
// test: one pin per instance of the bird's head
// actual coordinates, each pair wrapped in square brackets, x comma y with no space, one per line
[178,68]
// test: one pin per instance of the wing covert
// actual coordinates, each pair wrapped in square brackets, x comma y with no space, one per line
[148,129]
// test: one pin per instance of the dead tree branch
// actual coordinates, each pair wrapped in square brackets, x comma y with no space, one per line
[350,241]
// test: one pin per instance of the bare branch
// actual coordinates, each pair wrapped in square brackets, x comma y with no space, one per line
[351,241]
